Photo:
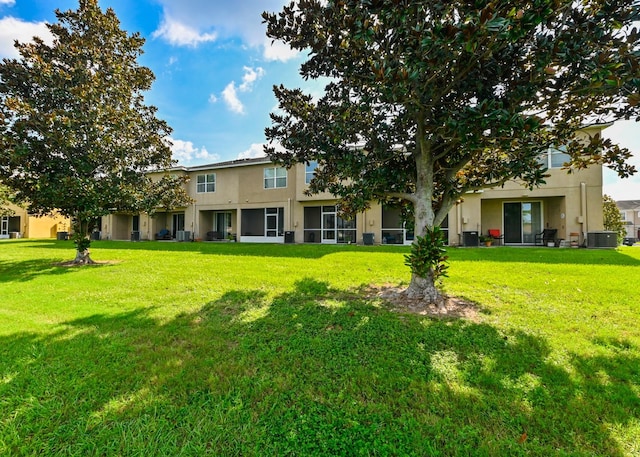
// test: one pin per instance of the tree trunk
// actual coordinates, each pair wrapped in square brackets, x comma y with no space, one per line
[83,258]
[426,290]
[81,230]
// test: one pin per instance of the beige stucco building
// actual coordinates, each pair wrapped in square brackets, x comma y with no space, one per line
[254,200]
[630,216]
[20,224]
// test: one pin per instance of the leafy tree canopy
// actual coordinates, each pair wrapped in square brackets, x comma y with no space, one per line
[428,100]
[75,133]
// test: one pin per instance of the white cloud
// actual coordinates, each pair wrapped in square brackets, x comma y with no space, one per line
[180,34]
[185,152]
[251,75]
[278,51]
[187,22]
[240,19]
[255,150]
[230,93]
[213,98]
[7,2]
[230,19]
[230,97]
[12,29]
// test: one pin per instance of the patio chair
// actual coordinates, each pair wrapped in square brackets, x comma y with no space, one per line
[546,236]
[163,234]
[496,235]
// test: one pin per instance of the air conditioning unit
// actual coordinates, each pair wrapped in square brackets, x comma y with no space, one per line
[470,238]
[602,239]
[183,235]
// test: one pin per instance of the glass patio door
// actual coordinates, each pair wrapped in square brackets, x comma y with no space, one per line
[328,224]
[271,222]
[4,226]
[222,223]
[522,220]
[178,223]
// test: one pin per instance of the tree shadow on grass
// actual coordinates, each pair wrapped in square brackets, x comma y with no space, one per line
[314,371]
[28,269]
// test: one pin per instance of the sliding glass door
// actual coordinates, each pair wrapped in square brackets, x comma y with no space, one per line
[522,220]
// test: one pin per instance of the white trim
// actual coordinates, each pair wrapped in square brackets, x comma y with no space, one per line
[262,239]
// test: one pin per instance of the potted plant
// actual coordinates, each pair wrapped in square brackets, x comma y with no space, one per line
[486,239]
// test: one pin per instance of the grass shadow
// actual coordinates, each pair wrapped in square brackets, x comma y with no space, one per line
[26,270]
[313,371]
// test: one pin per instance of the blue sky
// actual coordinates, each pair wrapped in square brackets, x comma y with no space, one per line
[215,70]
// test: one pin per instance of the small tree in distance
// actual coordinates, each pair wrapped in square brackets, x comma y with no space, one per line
[75,134]
[612,218]
[447,97]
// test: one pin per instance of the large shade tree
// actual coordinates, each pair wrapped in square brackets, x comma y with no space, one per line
[428,100]
[76,136]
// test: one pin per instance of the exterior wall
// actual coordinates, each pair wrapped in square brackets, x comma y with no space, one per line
[23,225]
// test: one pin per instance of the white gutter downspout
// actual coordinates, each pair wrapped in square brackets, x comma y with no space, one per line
[459,220]
[583,210]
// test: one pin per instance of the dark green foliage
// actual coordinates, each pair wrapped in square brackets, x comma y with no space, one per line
[428,255]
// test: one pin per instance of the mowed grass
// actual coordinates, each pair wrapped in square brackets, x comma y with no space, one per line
[257,350]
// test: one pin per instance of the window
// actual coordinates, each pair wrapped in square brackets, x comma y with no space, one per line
[206,183]
[275,178]
[555,157]
[310,171]
[558,157]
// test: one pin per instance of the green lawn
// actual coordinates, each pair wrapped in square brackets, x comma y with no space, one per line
[258,350]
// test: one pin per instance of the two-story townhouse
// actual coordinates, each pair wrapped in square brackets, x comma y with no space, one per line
[255,200]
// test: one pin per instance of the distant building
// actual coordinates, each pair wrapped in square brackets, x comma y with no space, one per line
[630,215]
[24,225]
[255,200]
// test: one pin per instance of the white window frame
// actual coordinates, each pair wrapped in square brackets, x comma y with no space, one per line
[276,180]
[209,182]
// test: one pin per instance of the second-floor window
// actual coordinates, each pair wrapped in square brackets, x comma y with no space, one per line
[310,171]
[555,157]
[275,178]
[206,183]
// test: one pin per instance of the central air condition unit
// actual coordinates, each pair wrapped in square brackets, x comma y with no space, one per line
[183,235]
[602,239]
[470,238]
